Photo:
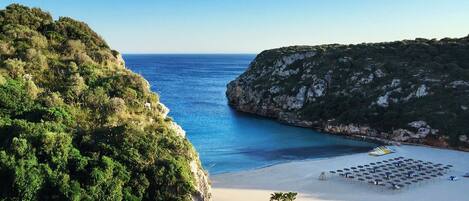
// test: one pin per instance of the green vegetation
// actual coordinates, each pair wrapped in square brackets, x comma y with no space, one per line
[75,124]
[279,196]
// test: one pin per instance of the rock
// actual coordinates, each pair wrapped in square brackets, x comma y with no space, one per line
[421,91]
[178,129]
[395,83]
[285,61]
[274,89]
[423,131]
[317,89]
[366,80]
[148,106]
[163,109]
[459,83]
[418,124]
[286,73]
[383,100]
[379,73]
[402,135]
[202,183]
[297,102]
[27,77]
[463,138]
[120,61]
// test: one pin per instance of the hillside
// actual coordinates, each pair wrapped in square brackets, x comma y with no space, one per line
[75,124]
[413,91]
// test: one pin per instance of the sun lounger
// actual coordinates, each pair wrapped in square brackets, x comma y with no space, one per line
[395,173]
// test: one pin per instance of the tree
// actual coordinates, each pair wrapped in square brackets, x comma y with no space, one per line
[279,196]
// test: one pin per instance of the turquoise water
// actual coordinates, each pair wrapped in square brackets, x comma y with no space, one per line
[193,87]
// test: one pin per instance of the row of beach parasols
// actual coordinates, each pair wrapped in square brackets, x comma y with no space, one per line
[394,173]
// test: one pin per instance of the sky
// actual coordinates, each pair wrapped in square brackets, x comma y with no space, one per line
[250,26]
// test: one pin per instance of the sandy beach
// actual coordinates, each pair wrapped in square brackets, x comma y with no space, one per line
[302,177]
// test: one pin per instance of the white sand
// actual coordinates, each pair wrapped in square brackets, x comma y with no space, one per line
[301,177]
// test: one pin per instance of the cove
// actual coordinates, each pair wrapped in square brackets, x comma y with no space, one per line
[193,87]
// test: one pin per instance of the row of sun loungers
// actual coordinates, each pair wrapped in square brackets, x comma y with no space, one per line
[395,173]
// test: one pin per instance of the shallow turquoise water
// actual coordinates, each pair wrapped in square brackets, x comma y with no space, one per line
[193,87]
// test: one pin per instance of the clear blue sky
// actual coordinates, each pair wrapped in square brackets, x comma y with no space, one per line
[249,26]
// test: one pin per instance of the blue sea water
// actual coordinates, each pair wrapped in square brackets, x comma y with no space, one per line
[193,87]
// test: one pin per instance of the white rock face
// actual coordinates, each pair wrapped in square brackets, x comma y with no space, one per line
[297,102]
[274,89]
[421,91]
[417,124]
[458,83]
[285,61]
[383,100]
[317,89]
[27,77]
[179,131]
[379,73]
[366,80]
[148,106]
[423,129]
[286,73]
[201,182]
[395,83]
[164,110]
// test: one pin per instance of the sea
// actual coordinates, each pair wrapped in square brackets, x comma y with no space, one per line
[193,87]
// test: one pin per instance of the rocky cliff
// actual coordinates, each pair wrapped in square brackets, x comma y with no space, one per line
[408,91]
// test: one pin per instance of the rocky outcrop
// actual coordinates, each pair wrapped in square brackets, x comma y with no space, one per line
[407,91]
[202,182]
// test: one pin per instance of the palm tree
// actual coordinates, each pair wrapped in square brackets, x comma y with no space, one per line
[279,196]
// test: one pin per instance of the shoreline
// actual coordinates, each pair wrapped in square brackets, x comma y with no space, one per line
[354,136]
[301,177]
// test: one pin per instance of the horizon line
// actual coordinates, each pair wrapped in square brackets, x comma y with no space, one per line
[168,53]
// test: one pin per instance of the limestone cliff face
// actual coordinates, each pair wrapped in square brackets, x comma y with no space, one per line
[409,91]
[202,182]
